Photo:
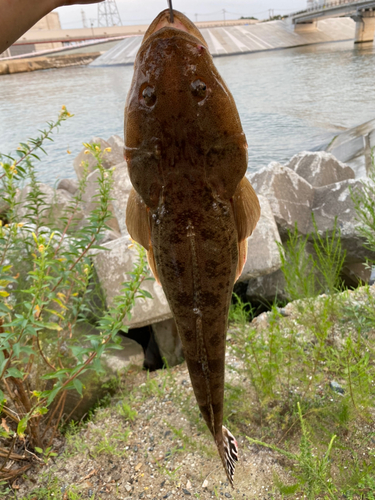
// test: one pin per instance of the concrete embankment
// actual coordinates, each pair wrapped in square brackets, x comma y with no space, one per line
[43,62]
[230,40]
[354,147]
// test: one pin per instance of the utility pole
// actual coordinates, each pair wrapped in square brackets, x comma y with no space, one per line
[108,14]
[84,21]
[224,11]
[271,13]
[196,18]
[92,26]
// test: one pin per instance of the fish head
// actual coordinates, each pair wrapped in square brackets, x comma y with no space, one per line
[180,114]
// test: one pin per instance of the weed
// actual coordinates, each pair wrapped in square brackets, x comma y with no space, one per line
[44,280]
[126,411]
[313,473]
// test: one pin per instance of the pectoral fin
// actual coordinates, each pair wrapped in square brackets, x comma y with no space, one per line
[152,263]
[137,219]
[242,255]
[246,210]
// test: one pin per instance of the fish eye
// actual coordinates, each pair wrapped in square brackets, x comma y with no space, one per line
[149,96]
[199,88]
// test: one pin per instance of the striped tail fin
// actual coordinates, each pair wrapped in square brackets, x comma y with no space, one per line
[230,453]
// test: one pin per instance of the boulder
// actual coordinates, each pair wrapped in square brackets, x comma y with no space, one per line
[110,159]
[263,256]
[4,206]
[70,185]
[117,145]
[56,203]
[333,201]
[113,266]
[120,194]
[168,341]
[356,274]
[89,199]
[113,361]
[320,168]
[291,197]
[267,288]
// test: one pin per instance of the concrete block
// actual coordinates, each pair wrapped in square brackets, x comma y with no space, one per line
[320,168]
[291,197]
[168,341]
[263,255]
[113,266]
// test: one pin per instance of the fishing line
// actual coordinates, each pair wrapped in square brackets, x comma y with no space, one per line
[171,17]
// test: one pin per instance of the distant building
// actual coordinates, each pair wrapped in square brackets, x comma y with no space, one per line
[50,22]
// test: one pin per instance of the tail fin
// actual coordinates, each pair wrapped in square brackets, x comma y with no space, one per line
[230,454]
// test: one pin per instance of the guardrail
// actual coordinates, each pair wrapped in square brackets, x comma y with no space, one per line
[325,5]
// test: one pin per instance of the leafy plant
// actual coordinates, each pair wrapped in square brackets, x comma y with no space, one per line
[364,203]
[307,275]
[298,266]
[313,472]
[44,284]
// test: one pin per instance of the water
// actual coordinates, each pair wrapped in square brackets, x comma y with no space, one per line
[289,101]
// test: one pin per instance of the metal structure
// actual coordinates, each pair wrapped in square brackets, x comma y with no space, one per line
[84,20]
[320,9]
[108,14]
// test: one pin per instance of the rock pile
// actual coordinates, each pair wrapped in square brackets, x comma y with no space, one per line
[310,183]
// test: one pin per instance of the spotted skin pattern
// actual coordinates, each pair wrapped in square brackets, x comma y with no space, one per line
[191,206]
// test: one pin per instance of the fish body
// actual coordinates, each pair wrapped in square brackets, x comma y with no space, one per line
[191,206]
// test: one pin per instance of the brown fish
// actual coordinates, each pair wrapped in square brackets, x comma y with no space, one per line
[191,207]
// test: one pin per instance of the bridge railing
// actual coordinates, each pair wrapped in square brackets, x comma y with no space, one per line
[324,5]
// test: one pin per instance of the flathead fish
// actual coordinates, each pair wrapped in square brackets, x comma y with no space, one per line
[191,208]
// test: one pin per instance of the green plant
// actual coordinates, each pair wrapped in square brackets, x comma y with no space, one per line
[46,454]
[240,312]
[364,204]
[298,266]
[313,472]
[330,258]
[307,275]
[44,282]
[126,411]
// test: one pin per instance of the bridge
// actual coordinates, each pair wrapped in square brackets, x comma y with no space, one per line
[361,11]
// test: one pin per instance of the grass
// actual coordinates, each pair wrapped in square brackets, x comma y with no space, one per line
[290,366]
[303,386]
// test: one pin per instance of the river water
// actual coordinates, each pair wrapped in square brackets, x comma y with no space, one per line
[289,101]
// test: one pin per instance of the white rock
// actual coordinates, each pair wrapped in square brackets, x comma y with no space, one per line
[290,196]
[70,185]
[55,200]
[113,267]
[110,159]
[263,256]
[320,168]
[168,341]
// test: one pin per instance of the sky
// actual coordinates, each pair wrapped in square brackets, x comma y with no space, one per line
[144,11]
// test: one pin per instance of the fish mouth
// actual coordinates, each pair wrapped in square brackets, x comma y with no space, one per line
[181,24]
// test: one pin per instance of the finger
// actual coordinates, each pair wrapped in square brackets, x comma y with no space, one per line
[74,2]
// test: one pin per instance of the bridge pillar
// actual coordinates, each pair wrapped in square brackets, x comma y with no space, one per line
[306,27]
[365,27]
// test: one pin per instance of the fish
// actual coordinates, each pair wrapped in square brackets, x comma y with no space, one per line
[191,206]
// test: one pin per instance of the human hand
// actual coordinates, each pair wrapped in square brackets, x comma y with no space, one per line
[73,2]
